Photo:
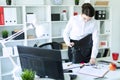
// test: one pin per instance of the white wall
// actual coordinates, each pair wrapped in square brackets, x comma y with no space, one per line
[2,2]
[115,4]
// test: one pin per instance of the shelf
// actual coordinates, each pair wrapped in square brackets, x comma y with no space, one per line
[1,26]
[18,41]
[1,57]
[14,41]
[104,20]
[42,22]
[98,48]
[57,37]
[104,34]
[101,6]
[59,21]
[12,6]
[104,47]
[64,50]
[61,5]
[36,5]
[6,74]
[37,39]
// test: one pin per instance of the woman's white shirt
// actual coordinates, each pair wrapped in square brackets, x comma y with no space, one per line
[77,29]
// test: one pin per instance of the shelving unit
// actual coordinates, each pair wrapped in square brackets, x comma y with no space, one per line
[50,30]
[104,31]
[11,27]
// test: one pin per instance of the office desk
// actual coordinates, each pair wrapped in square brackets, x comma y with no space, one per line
[111,75]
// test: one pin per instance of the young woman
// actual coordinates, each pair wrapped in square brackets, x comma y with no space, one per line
[81,33]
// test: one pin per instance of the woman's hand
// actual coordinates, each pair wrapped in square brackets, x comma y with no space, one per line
[71,44]
[92,61]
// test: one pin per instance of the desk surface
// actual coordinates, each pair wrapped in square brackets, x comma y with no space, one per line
[111,75]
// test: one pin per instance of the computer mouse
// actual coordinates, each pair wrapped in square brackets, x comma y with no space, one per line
[73,76]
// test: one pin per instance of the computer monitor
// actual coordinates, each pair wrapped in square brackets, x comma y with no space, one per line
[46,62]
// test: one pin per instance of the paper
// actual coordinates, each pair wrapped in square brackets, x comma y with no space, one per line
[98,71]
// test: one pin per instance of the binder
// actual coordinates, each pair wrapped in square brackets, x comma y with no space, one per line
[10,16]
[1,16]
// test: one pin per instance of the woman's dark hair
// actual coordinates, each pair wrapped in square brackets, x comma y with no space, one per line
[88,9]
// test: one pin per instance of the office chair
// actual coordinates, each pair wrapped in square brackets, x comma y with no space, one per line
[51,45]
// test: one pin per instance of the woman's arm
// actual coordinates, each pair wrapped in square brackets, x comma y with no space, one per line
[66,33]
[95,38]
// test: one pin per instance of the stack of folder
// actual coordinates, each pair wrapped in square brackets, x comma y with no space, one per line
[8,16]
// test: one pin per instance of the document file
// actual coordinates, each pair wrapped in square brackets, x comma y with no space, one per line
[10,16]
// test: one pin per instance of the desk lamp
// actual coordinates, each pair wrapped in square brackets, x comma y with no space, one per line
[15,66]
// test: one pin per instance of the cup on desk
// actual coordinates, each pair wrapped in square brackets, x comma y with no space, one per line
[115,56]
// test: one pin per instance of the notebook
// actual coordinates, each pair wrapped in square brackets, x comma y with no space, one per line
[97,71]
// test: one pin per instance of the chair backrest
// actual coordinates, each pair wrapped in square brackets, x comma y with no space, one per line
[52,45]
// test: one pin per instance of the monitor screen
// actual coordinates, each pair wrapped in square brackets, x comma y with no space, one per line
[46,62]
